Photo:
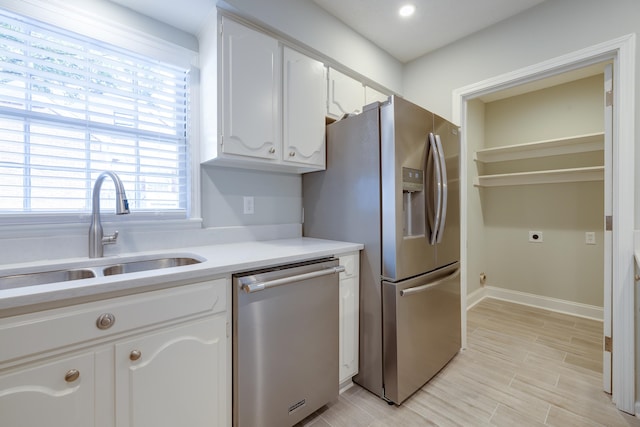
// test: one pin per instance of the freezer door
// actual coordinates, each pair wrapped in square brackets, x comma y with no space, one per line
[421,329]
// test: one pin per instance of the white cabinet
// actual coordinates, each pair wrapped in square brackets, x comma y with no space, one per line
[163,359]
[59,392]
[173,377]
[349,312]
[542,149]
[250,93]
[271,113]
[372,95]
[346,95]
[305,97]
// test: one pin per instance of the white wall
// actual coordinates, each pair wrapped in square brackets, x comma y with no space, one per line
[549,30]
[312,27]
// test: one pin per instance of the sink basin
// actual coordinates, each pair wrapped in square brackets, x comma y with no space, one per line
[44,277]
[150,264]
[82,270]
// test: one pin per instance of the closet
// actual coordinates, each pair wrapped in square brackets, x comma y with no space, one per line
[536,192]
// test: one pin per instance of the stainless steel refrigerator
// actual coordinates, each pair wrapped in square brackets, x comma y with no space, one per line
[392,183]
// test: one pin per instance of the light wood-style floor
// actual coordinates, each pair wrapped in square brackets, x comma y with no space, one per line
[523,367]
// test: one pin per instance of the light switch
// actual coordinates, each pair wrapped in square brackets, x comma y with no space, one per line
[248,205]
[590,238]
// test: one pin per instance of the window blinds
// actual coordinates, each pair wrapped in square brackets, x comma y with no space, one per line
[71,107]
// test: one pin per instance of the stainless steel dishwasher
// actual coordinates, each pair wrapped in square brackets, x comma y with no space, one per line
[285,342]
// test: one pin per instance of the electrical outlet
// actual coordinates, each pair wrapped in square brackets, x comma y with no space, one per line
[535,236]
[248,205]
[590,238]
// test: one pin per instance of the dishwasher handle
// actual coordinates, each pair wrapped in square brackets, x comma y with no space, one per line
[422,288]
[250,287]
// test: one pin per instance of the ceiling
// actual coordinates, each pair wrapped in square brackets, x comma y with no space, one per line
[435,23]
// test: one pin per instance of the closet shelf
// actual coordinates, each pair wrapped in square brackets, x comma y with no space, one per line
[551,147]
[595,173]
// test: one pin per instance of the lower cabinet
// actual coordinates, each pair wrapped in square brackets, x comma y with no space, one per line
[59,392]
[175,377]
[349,312]
[162,361]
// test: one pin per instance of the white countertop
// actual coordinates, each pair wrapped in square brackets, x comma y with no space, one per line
[218,261]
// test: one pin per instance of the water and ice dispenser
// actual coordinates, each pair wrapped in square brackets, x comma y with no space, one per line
[413,202]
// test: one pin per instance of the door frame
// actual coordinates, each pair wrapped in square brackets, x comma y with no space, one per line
[621,51]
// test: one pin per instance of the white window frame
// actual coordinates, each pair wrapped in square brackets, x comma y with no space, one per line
[120,27]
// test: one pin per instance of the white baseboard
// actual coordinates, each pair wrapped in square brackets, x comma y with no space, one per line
[344,386]
[547,303]
[476,296]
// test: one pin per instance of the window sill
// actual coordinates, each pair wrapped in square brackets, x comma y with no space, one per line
[63,226]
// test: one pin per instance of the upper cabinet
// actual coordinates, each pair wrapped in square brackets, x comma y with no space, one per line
[305,97]
[372,95]
[346,95]
[264,104]
[251,73]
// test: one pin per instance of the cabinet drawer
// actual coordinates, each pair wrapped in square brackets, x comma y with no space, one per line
[47,330]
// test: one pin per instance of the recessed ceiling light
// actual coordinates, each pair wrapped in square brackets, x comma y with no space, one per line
[407,10]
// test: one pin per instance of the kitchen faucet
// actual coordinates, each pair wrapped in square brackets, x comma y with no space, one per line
[96,238]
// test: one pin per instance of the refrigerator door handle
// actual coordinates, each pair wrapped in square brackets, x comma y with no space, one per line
[428,184]
[423,288]
[434,214]
[444,189]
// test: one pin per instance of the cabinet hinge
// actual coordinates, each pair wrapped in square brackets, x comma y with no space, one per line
[608,344]
[608,223]
[609,98]
[228,329]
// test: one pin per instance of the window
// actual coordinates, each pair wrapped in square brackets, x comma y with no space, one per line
[72,107]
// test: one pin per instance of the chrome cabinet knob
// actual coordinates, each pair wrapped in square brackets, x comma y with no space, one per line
[72,375]
[105,321]
[272,150]
[135,355]
[292,153]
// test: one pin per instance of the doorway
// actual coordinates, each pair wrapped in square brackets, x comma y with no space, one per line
[620,52]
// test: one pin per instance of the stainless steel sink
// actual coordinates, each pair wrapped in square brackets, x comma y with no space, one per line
[77,271]
[150,264]
[44,277]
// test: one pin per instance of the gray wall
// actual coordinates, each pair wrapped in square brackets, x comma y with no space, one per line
[277,197]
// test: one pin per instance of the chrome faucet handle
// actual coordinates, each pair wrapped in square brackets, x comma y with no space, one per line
[110,239]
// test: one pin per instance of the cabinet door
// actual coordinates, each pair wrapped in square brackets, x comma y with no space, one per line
[346,95]
[175,377]
[304,103]
[349,311]
[372,95]
[250,92]
[55,394]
